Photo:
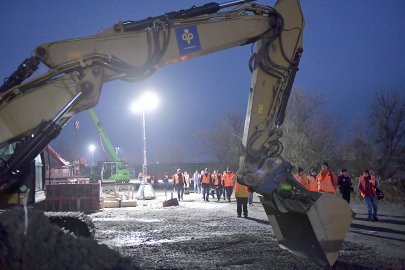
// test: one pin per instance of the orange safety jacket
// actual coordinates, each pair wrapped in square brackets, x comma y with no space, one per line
[218,179]
[206,178]
[326,181]
[241,191]
[303,180]
[228,181]
[312,183]
[176,178]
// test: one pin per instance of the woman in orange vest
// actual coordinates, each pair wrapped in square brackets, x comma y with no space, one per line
[327,180]
[312,182]
[301,177]
[241,195]
[228,183]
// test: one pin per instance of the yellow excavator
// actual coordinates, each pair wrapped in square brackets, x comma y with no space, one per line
[33,111]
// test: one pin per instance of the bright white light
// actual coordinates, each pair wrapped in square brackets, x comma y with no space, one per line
[136,107]
[148,101]
[92,147]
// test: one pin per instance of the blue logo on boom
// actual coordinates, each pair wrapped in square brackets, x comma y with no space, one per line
[188,39]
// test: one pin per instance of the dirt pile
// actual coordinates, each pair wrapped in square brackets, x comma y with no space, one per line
[46,246]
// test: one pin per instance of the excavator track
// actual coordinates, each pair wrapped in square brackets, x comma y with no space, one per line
[28,240]
[73,222]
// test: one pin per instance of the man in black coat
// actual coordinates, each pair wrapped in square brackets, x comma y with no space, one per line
[345,185]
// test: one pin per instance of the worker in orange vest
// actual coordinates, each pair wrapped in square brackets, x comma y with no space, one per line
[301,177]
[178,180]
[228,183]
[312,182]
[241,195]
[327,180]
[206,184]
[217,183]
[367,190]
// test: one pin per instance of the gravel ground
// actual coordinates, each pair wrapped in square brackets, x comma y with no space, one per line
[193,235]
[208,235]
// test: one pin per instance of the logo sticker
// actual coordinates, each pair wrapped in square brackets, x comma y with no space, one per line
[188,39]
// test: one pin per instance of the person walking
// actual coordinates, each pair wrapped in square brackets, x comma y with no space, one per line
[166,183]
[223,186]
[327,180]
[250,198]
[206,184]
[367,191]
[186,179]
[228,183]
[312,182]
[196,179]
[217,182]
[178,179]
[345,185]
[241,195]
[301,177]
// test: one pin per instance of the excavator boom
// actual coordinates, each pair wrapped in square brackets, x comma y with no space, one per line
[134,50]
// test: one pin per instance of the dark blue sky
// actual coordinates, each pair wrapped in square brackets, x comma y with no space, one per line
[352,49]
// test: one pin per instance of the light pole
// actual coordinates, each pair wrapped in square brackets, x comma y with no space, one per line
[117,148]
[148,101]
[91,148]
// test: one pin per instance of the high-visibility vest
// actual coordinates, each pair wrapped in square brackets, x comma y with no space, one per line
[176,178]
[228,181]
[303,180]
[312,183]
[325,182]
[206,178]
[217,179]
[241,191]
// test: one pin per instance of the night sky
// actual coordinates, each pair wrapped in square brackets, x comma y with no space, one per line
[352,49]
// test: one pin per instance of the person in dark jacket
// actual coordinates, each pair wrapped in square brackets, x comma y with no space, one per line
[367,190]
[345,185]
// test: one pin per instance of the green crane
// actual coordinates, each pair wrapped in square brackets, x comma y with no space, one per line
[114,170]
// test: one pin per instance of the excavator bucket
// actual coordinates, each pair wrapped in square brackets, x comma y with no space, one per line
[315,233]
[309,224]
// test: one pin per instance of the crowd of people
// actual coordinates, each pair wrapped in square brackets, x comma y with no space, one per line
[327,181]
[221,185]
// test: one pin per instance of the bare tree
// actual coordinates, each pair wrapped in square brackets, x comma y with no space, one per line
[309,135]
[356,152]
[388,113]
[223,140]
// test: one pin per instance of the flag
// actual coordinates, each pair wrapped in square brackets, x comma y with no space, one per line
[77,124]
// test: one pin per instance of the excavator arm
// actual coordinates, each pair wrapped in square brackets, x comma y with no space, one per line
[134,50]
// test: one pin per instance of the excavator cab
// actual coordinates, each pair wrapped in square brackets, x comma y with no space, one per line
[114,171]
[29,188]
